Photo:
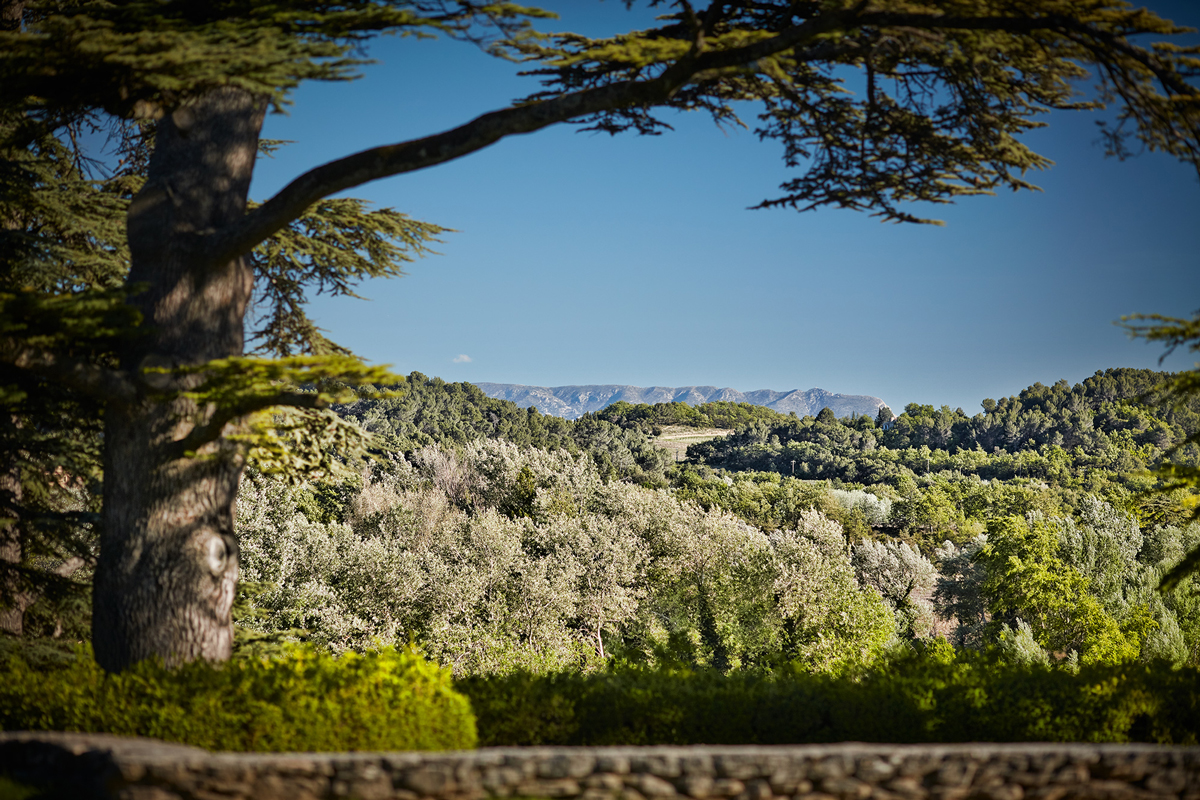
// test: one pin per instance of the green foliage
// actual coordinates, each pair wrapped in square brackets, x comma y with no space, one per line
[494,558]
[947,475]
[1027,580]
[719,414]
[62,255]
[137,59]
[1117,421]
[935,697]
[304,701]
[328,250]
[1183,392]
[431,411]
[763,499]
[64,252]
[11,790]
[950,90]
[879,113]
[283,427]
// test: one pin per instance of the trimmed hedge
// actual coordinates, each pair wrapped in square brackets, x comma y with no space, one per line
[917,700]
[306,701]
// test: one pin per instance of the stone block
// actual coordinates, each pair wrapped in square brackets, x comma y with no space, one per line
[496,778]
[998,791]
[133,769]
[756,790]
[697,764]
[573,765]
[737,767]
[612,762]
[662,765]
[650,785]
[429,780]
[599,794]
[846,788]
[727,787]
[840,765]
[955,773]
[1072,773]
[697,786]
[1166,781]
[785,779]
[147,793]
[604,780]
[874,769]
[560,787]
[907,786]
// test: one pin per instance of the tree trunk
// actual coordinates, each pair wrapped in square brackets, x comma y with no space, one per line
[168,563]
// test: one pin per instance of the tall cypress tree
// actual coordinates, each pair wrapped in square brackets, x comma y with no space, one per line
[949,88]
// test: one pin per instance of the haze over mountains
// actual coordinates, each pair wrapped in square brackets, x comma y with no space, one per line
[573,402]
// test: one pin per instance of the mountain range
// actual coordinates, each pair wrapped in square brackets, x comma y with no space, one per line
[572,402]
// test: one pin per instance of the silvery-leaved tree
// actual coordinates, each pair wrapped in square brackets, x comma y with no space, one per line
[944,90]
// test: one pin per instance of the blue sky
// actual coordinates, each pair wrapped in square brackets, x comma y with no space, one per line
[581,258]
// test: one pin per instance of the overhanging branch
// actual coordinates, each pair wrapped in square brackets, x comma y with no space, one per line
[485,130]
[212,430]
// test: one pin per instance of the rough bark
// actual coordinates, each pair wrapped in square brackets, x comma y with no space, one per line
[12,12]
[168,563]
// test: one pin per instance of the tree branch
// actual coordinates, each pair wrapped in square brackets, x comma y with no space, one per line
[211,430]
[108,385]
[485,130]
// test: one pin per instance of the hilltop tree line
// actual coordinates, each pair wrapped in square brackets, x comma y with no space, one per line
[425,411]
[1098,434]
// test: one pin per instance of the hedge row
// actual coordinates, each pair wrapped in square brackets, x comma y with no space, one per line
[914,701]
[389,700]
[307,701]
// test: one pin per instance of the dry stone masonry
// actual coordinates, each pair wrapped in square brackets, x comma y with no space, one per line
[98,766]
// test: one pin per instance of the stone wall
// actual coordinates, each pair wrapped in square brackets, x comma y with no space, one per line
[96,766]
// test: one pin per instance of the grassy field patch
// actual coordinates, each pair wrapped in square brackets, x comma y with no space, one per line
[676,438]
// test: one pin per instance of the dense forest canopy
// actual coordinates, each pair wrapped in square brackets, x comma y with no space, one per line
[935,536]
[1114,422]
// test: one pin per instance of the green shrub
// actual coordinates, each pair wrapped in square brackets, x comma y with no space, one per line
[305,701]
[969,698]
[650,706]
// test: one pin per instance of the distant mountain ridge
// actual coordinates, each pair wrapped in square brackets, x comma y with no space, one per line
[573,402]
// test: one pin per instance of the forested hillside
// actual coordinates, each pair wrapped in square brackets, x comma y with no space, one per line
[500,538]
[428,411]
[1106,429]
